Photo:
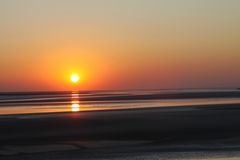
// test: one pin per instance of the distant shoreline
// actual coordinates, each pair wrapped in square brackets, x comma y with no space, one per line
[110,90]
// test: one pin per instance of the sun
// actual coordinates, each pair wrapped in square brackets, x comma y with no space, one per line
[75,78]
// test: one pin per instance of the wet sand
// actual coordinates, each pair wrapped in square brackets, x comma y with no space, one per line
[132,127]
[145,132]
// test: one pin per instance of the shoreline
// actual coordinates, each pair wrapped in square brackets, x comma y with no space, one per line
[142,124]
[172,132]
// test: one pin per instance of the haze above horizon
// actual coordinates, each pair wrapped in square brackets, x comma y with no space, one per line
[111,44]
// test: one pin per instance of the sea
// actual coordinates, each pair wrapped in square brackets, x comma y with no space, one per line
[42,102]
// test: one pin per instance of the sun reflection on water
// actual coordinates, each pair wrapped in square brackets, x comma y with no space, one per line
[75,102]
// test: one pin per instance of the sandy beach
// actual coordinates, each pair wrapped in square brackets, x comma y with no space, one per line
[192,132]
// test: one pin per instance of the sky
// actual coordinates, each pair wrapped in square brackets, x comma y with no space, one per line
[119,44]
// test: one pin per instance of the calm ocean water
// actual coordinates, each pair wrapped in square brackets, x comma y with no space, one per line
[54,102]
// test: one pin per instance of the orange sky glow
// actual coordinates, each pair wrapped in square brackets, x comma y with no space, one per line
[119,44]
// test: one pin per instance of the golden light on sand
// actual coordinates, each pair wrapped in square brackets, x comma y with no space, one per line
[75,78]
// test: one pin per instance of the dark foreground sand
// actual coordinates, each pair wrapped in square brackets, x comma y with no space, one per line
[197,132]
